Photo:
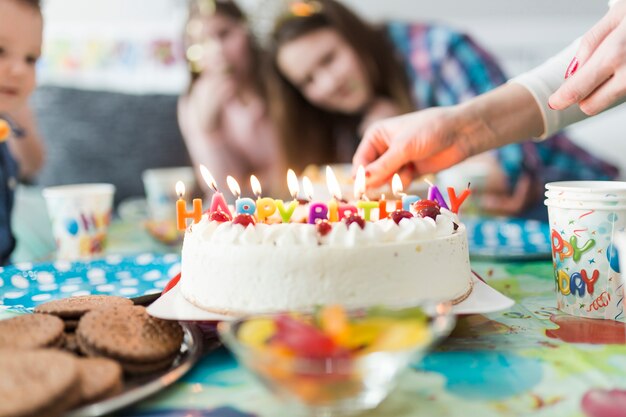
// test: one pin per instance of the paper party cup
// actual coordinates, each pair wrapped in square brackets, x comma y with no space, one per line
[583,230]
[80,216]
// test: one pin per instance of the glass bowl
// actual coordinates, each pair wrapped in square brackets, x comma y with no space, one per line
[334,384]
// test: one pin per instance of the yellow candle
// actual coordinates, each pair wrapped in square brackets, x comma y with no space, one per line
[265,207]
[333,215]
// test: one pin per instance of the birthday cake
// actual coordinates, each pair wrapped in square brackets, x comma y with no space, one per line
[241,266]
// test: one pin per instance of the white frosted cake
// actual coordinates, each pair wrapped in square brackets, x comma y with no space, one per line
[232,269]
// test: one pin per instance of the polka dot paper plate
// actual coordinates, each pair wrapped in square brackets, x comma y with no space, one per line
[25,285]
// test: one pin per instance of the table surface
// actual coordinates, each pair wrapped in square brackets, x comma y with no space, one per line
[528,360]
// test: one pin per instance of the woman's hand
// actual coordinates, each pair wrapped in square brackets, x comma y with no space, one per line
[596,78]
[417,143]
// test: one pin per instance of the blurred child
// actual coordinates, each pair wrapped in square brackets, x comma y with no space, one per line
[337,75]
[21,152]
[223,116]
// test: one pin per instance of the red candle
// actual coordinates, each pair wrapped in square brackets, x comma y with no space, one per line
[181,208]
[455,202]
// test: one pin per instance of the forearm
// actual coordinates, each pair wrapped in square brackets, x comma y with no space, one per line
[505,115]
[28,149]
[544,80]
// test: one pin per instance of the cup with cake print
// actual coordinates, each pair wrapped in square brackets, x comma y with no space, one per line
[80,215]
[586,218]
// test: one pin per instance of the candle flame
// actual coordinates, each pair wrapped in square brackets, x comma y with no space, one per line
[256,186]
[234,186]
[208,178]
[307,185]
[428,182]
[332,183]
[180,189]
[292,183]
[359,183]
[396,185]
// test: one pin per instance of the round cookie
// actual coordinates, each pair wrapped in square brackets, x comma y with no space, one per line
[140,343]
[75,307]
[99,378]
[41,382]
[31,331]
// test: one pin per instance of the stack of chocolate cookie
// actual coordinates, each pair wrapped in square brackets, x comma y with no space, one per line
[117,338]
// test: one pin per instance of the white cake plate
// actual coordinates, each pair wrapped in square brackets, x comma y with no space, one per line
[173,306]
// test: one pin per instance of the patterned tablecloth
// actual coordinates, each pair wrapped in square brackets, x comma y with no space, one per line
[529,360]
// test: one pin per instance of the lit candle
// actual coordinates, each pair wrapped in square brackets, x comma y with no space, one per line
[317,211]
[181,208]
[242,205]
[398,191]
[294,189]
[382,208]
[435,195]
[455,202]
[265,207]
[334,189]
[359,194]
[336,210]
[218,203]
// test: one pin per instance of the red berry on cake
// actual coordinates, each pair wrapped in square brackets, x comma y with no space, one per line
[427,208]
[398,215]
[219,216]
[323,227]
[355,218]
[244,219]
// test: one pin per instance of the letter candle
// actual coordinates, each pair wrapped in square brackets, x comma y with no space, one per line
[317,211]
[337,211]
[265,207]
[406,199]
[455,202]
[181,208]
[242,205]
[294,189]
[435,195]
[359,194]
[382,208]
[218,203]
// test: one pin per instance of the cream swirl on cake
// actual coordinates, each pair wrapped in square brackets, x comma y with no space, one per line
[229,268]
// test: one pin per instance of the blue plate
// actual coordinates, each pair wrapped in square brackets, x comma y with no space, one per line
[508,239]
[25,285]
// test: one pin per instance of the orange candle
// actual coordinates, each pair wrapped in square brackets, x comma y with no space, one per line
[455,202]
[181,208]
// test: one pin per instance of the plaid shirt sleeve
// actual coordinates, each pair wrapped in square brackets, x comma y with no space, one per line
[447,67]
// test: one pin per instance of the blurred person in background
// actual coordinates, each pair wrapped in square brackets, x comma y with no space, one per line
[335,75]
[21,151]
[223,116]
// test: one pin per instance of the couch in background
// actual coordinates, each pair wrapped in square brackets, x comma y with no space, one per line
[98,136]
